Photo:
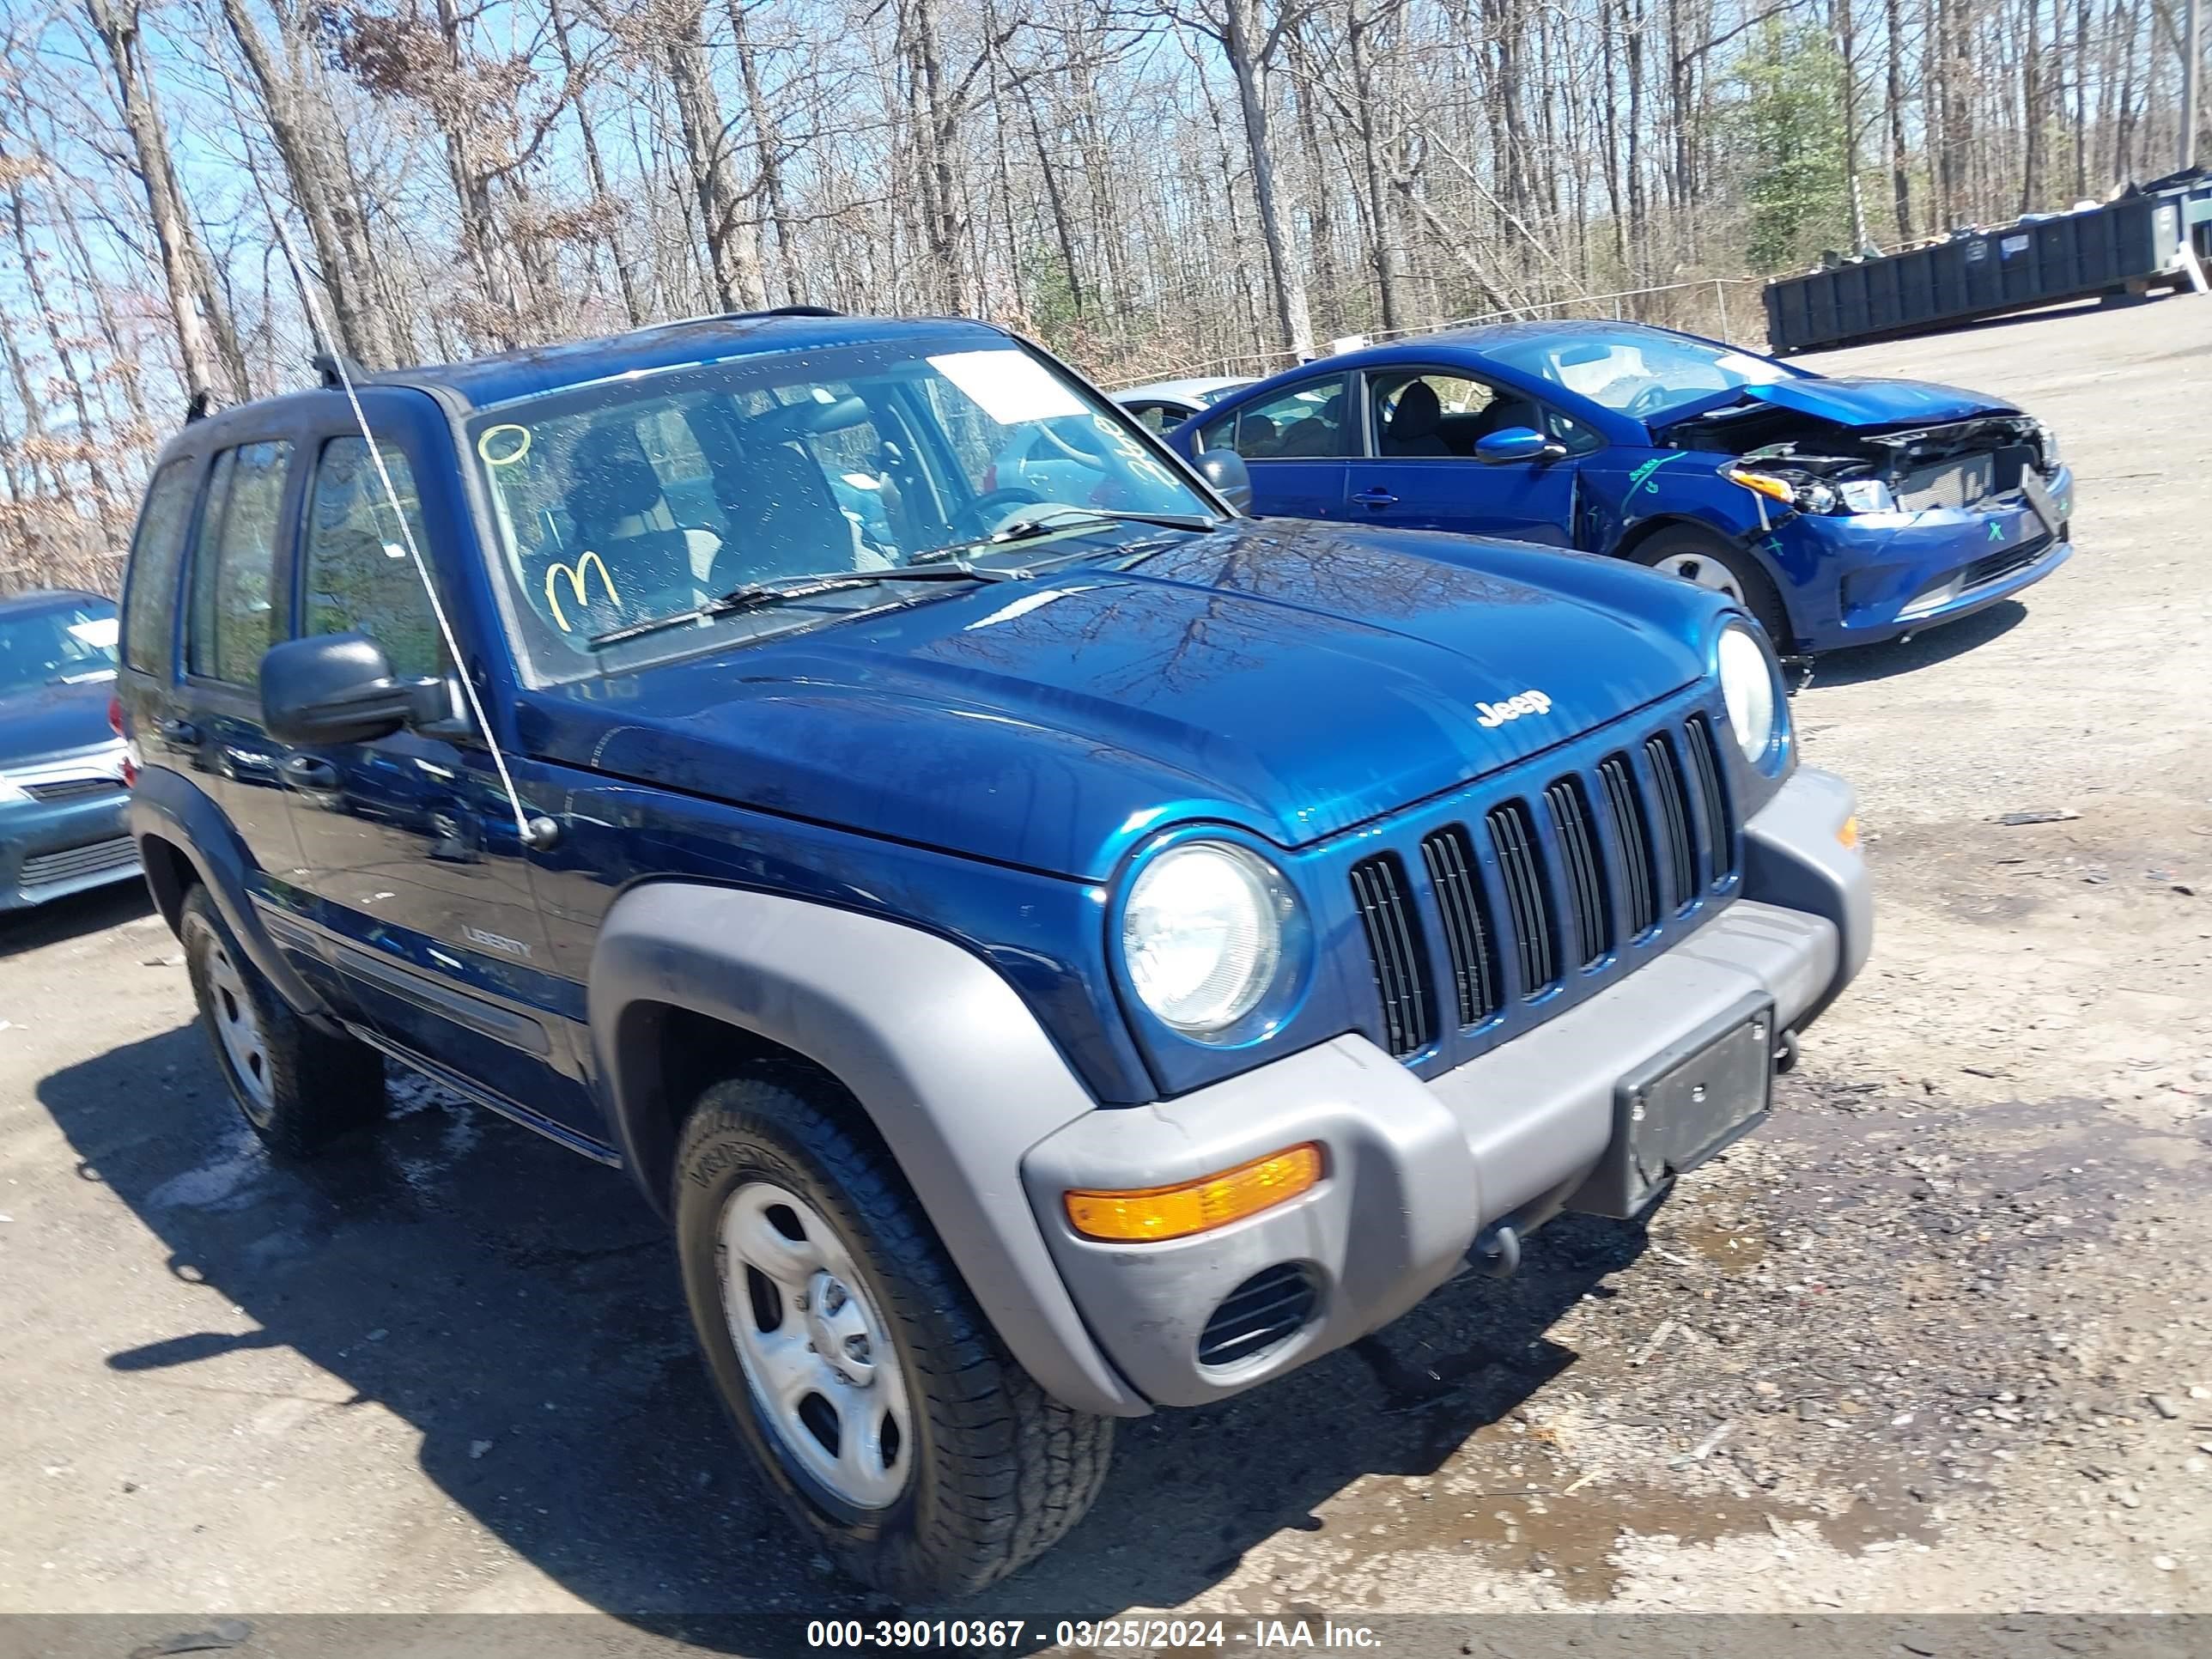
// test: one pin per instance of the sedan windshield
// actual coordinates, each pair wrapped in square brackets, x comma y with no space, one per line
[627,510]
[1638,372]
[57,644]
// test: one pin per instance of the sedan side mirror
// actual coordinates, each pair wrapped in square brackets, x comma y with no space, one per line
[1232,479]
[1516,443]
[338,688]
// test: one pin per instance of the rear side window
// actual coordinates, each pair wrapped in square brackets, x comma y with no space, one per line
[233,619]
[1310,422]
[359,576]
[150,607]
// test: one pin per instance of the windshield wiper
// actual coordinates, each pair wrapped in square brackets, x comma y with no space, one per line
[757,596]
[1048,519]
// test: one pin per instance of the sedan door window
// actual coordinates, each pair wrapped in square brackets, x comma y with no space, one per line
[1307,423]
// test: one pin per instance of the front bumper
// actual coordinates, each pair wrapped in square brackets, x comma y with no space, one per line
[1417,1171]
[1875,576]
[50,849]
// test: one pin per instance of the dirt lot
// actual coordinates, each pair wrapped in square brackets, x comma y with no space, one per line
[1940,1339]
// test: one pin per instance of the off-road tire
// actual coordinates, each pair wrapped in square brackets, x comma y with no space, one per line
[999,1471]
[1760,597]
[318,1087]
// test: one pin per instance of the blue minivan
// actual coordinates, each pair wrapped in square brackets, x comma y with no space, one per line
[1053,952]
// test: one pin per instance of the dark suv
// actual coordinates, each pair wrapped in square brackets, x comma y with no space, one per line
[1054,948]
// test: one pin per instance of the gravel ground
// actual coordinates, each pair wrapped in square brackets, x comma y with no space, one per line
[1937,1341]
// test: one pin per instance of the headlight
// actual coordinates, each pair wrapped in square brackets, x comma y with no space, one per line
[1806,493]
[2048,441]
[1867,496]
[1202,934]
[1747,684]
[10,793]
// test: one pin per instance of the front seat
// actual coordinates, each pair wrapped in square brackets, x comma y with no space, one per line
[1413,427]
[1506,412]
[621,568]
[784,523]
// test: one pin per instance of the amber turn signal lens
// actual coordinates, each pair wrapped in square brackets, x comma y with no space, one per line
[1848,834]
[1196,1206]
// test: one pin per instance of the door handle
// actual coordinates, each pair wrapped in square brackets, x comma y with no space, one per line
[181,733]
[1375,497]
[305,772]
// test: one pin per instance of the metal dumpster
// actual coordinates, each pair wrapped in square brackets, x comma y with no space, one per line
[2120,247]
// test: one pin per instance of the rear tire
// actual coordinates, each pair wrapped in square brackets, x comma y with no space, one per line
[798,1241]
[1698,556]
[298,1089]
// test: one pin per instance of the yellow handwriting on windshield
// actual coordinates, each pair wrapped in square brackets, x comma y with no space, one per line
[579,575]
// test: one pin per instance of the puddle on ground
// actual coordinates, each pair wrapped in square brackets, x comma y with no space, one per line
[1532,1523]
[1724,1246]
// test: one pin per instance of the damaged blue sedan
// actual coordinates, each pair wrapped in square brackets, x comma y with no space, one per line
[1838,512]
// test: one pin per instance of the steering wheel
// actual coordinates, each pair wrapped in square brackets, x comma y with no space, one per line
[1651,399]
[993,508]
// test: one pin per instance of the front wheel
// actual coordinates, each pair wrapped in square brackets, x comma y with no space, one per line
[1721,568]
[861,1374]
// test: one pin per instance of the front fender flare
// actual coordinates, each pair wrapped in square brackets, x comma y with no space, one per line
[938,1051]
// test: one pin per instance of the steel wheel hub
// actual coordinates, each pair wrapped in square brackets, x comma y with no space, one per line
[238,1028]
[1702,569]
[825,1380]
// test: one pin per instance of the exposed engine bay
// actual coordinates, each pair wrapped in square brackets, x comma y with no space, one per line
[1958,464]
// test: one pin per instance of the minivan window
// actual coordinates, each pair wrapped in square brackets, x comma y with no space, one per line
[641,498]
[359,576]
[233,618]
[150,600]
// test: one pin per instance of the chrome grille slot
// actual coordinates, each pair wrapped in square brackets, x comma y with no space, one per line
[1581,874]
[1378,888]
[1632,830]
[1521,871]
[1456,880]
[1677,836]
[1719,834]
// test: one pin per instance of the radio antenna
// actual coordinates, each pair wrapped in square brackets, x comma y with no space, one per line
[535,832]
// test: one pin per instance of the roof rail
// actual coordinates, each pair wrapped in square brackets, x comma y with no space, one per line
[333,372]
[197,405]
[736,317]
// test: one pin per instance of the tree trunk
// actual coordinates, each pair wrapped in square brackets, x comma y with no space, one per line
[1900,173]
[1287,277]
[116,23]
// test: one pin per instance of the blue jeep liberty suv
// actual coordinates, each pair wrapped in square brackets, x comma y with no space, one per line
[1051,955]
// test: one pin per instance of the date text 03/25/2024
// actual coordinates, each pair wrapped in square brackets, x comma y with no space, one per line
[1019,1635]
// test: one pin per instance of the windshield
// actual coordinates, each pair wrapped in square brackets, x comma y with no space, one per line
[1638,372]
[57,644]
[619,504]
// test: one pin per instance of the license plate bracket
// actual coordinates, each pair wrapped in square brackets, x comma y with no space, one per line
[1695,1098]
[2038,497]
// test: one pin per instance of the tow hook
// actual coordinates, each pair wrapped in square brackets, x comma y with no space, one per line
[1498,1252]
[1785,1052]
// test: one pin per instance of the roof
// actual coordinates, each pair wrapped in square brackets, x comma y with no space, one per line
[39,598]
[1192,390]
[485,381]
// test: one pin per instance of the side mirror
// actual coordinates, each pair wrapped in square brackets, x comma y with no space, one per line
[1232,479]
[336,688]
[1516,443]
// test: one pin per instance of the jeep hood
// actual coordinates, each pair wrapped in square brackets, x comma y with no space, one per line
[1295,679]
[1856,403]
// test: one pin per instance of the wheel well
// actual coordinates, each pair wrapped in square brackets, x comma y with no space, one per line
[668,1056]
[169,875]
[1644,529]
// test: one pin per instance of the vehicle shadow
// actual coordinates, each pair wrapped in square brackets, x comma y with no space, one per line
[1863,664]
[72,917]
[519,1308]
